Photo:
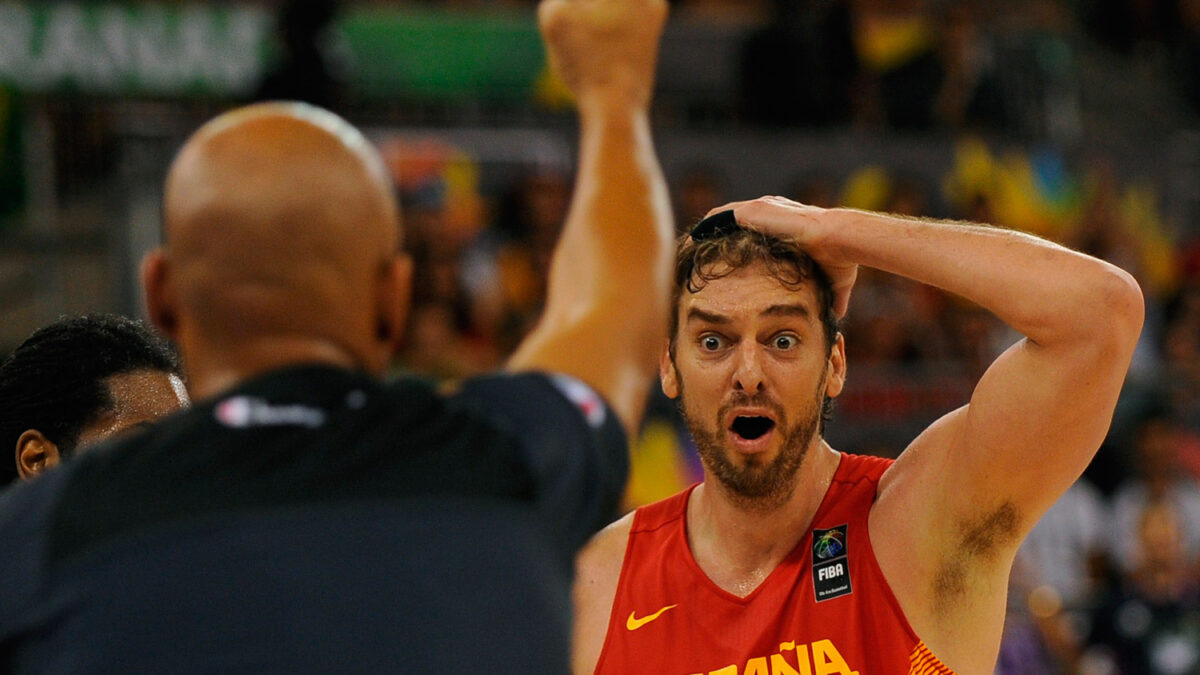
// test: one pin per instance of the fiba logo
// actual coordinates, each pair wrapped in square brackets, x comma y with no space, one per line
[830,544]
[831,563]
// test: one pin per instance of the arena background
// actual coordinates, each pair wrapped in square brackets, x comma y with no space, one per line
[1075,120]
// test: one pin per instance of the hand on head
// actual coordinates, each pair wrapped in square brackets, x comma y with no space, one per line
[806,225]
[604,50]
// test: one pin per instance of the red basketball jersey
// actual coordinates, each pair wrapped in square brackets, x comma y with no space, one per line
[825,610]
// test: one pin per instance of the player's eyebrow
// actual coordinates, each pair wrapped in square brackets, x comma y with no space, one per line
[695,314]
[788,310]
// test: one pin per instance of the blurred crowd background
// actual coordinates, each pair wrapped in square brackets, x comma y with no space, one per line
[1076,120]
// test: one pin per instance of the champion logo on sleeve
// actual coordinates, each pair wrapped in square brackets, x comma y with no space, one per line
[240,412]
[583,396]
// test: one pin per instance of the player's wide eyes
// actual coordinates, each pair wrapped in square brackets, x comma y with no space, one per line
[711,343]
[784,342]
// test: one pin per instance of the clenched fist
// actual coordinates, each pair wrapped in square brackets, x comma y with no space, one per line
[604,50]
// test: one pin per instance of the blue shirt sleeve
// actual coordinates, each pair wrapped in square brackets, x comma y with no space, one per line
[574,446]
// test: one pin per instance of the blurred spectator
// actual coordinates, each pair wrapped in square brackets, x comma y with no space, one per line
[897,42]
[663,457]
[970,94]
[1066,548]
[698,189]
[723,11]
[1158,441]
[505,267]
[800,68]
[813,188]
[12,178]
[1185,52]
[438,347]
[306,67]
[443,215]
[928,65]
[1126,25]
[1150,624]
[1059,572]
[1179,375]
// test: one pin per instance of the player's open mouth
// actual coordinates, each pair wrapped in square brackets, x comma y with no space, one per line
[751,427]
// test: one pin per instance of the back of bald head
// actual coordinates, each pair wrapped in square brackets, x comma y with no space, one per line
[279,219]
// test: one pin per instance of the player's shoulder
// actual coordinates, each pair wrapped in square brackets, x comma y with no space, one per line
[605,552]
[597,576]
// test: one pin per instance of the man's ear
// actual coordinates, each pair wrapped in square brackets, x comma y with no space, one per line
[161,303]
[395,301]
[837,368]
[35,454]
[667,375]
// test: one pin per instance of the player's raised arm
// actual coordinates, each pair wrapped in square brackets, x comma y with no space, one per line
[972,485]
[1041,410]
[606,310]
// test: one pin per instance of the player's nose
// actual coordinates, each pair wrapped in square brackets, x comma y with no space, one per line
[748,371]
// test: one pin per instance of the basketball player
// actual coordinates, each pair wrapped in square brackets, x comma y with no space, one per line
[305,517]
[78,381]
[792,557]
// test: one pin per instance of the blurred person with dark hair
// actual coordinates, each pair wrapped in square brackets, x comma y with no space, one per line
[800,68]
[503,272]
[305,516]
[697,188]
[1179,367]
[78,381]
[1058,576]
[791,556]
[306,68]
[1150,623]
[1159,477]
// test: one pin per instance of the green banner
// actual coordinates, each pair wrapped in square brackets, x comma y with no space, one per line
[181,49]
[443,54]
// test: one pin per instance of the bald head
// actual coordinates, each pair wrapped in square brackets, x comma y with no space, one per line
[281,228]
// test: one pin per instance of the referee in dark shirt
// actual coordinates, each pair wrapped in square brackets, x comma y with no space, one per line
[304,516]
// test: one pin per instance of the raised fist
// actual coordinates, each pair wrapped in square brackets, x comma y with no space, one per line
[604,50]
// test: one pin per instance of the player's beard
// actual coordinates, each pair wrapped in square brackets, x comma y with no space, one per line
[754,485]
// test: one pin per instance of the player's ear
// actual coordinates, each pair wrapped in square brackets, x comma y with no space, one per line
[161,304]
[836,379]
[667,375]
[395,300]
[35,454]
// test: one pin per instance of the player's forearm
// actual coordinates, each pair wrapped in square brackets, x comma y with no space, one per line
[606,310]
[615,250]
[1051,294]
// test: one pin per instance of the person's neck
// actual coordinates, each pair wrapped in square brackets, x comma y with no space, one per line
[213,369]
[738,544]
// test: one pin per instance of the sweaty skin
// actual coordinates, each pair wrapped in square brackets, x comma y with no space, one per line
[139,398]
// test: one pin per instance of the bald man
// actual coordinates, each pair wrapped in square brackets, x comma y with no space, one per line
[305,516]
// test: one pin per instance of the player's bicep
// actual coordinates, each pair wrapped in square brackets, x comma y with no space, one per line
[1034,422]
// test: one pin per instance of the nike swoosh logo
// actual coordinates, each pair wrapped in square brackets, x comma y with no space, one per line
[634,623]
